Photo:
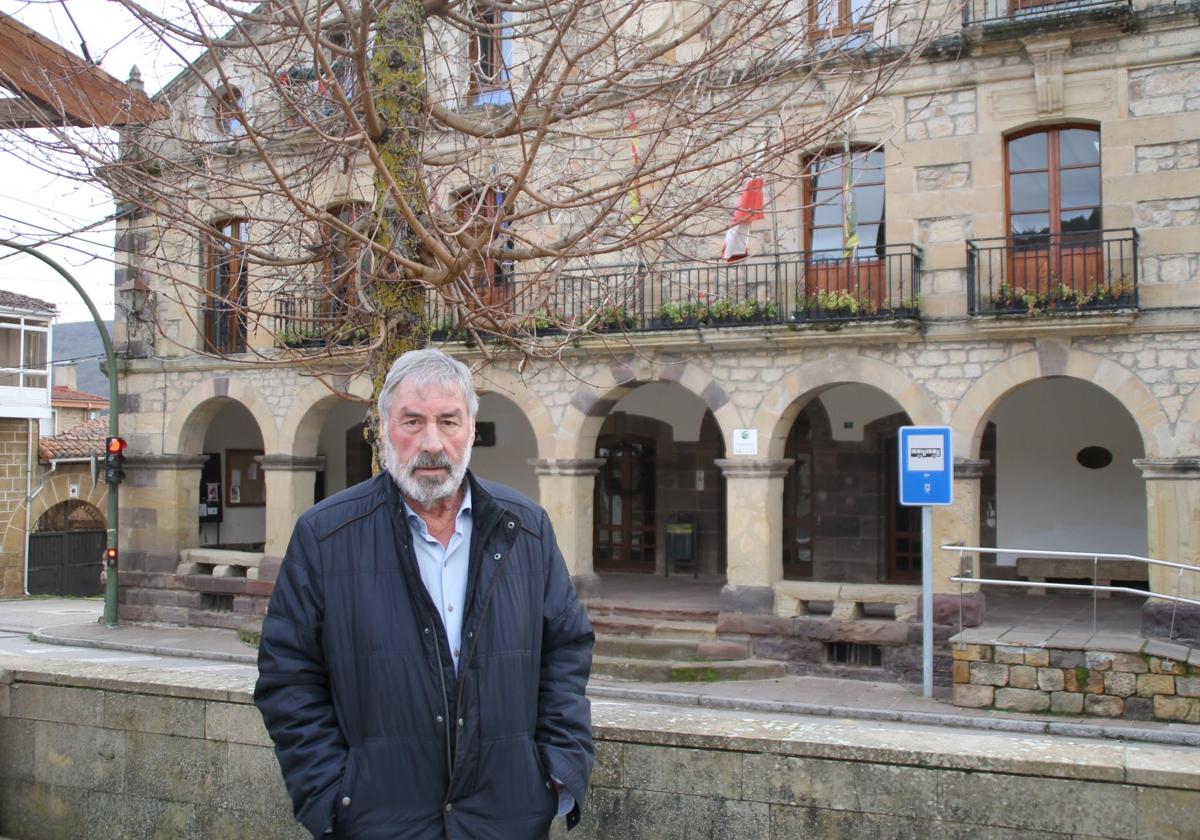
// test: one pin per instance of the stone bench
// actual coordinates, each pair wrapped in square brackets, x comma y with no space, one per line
[216,562]
[793,598]
[1040,569]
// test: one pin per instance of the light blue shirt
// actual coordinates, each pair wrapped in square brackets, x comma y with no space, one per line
[444,569]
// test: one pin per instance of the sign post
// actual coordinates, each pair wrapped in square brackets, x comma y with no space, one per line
[926,480]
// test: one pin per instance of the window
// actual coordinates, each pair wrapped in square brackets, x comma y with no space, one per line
[491,56]
[225,319]
[309,89]
[839,18]
[340,264]
[845,231]
[1054,183]
[846,206]
[24,361]
[229,106]
[477,209]
[1054,212]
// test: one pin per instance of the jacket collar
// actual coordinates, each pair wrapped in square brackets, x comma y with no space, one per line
[486,510]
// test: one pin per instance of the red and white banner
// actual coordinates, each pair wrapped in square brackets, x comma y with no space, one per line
[749,209]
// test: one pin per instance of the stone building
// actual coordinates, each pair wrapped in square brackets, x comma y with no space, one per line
[1023,267]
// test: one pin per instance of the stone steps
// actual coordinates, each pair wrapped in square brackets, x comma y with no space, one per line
[646,670]
[654,627]
[599,607]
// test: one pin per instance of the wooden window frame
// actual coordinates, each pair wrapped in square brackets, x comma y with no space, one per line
[229,108]
[1053,169]
[336,270]
[226,300]
[490,25]
[810,190]
[845,21]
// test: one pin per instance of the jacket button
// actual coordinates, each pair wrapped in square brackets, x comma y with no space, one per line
[495,556]
[426,631]
[470,634]
[439,718]
[549,785]
[460,721]
[449,807]
[512,524]
[345,801]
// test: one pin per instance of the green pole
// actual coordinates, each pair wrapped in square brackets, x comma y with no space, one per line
[110,588]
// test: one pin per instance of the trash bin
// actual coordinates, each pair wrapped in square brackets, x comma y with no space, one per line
[681,545]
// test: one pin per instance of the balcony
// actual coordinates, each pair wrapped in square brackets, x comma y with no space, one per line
[877,284]
[314,320]
[1013,16]
[1053,274]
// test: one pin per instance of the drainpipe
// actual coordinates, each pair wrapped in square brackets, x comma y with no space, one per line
[28,500]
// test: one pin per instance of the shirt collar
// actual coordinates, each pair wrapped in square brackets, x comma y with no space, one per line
[415,521]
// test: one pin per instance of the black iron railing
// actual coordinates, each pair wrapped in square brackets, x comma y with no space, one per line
[318,319]
[787,288]
[1053,273]
[997,12]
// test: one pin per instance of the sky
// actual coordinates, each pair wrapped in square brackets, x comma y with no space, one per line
[33,202]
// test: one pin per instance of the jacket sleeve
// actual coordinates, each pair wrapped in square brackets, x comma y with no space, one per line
[564,727]
[293,692]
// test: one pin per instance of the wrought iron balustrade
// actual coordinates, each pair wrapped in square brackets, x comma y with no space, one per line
[1057,273]
[786,288]
[316,319]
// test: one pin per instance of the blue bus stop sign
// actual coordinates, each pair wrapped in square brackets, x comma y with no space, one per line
[926,466]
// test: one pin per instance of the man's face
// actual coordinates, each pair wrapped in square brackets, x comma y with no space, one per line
[427,441]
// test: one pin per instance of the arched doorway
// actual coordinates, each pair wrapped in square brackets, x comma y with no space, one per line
[842,520]
[65,550]
[505,444]
[232,484]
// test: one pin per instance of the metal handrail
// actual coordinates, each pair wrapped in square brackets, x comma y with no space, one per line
[1096,557]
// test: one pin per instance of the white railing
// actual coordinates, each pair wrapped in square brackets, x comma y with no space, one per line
[965,577]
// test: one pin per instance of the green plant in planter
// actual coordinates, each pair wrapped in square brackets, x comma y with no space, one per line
[672,312]
[835,302]
[299,337]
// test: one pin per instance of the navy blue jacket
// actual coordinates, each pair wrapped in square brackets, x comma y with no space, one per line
[376,735]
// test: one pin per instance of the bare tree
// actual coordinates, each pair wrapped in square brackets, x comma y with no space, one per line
[363,173]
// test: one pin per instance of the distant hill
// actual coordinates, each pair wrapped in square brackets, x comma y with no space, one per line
[80,340]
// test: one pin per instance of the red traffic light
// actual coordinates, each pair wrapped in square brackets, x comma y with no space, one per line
[115,445]
[110,557]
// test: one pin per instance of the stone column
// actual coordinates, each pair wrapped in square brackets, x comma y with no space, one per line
[1173,534]
[567,488]
[958,523]
[159,512]
[288,481]
[754,533]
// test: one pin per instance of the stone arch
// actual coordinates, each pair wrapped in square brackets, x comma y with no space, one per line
[186,428]
[509,385]
[783,403]
[590,404]
[1050,360]
[300,430]
[1187,430]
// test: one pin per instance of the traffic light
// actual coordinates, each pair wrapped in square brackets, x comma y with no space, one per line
[114,460]
[110,557]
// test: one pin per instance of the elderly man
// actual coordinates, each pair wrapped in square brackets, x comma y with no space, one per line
[424,656]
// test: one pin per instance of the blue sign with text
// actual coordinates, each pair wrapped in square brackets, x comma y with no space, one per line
[926,466]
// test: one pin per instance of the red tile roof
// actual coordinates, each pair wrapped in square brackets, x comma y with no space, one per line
[76,442]
[12,300]
[61,394]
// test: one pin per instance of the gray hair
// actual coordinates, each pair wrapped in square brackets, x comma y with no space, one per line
[428,367]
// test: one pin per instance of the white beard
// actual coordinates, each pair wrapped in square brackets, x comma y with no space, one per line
[425,491]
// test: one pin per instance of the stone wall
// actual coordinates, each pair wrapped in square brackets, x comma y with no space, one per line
[1156,681]
[14,459]
[100,752]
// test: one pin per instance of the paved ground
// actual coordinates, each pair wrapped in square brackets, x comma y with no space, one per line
[71,629]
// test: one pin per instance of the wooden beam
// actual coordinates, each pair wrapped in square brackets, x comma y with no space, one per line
[61,89]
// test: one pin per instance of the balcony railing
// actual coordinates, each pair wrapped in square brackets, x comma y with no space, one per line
[875,284]
[1000,12]
[314,320]
[1041,274]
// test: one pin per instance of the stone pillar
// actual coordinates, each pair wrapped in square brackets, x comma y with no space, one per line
[567,488]
[754,533]
[958,523]
[288,481]
[159,514]
[1172,534]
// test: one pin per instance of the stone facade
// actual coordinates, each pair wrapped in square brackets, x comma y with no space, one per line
[110,752]
[15,449]
[1156,681]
